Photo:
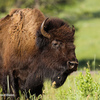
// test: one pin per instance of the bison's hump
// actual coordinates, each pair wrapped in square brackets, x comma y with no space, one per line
[20,32]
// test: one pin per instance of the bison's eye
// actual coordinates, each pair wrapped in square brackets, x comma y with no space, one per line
[56,44]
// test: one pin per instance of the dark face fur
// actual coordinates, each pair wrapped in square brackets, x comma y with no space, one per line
[57,50]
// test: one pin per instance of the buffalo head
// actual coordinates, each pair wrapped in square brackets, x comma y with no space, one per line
[55,40]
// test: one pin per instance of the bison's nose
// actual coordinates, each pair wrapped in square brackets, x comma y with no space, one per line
[72,65]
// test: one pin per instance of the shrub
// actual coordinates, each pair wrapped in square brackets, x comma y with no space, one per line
[87,86]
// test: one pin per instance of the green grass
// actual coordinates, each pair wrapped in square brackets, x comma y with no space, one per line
[88,39]
[80,7]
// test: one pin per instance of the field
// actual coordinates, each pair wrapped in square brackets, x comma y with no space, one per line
[87,42]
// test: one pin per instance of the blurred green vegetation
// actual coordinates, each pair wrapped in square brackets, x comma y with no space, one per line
[83,14]
[49,7]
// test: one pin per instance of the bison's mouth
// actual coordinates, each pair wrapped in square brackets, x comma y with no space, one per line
[59,79]
[59,82]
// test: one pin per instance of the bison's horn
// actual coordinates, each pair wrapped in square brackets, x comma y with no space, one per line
[44,33]
[73,29]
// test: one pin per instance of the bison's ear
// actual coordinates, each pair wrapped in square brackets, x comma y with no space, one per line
[43,32]
[73,29]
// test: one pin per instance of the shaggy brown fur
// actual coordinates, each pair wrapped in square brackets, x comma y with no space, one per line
[28,57]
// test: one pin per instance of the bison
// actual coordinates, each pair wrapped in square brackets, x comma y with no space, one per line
[34,48]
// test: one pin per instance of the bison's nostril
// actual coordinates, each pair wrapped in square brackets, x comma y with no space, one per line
[72,64]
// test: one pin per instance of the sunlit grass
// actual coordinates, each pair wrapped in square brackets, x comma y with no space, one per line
[80,7]
[87,39]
